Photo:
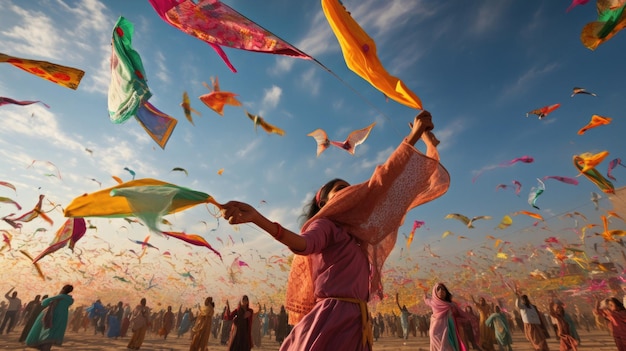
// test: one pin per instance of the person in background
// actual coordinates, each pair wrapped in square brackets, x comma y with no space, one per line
[49,327]
[168,322]
[241,332]
[13,308]
[615,313]
[139,325]
[499,323]
[534,328]
[202,328]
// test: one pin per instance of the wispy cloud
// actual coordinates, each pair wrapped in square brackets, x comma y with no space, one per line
[487,16]
[162,73]
[525,81]
[272,97]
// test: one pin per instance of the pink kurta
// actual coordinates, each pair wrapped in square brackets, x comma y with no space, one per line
[444,333]
[339,269]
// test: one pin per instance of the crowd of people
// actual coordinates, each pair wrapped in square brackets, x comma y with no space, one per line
[43,327]
[479,324]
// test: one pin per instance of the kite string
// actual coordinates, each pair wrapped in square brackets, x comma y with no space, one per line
[320,64]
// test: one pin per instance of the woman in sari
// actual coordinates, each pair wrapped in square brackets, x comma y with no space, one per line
[444,332]
[615,314]
[49,328]
[202,328]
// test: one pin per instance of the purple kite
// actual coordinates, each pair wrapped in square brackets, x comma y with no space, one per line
[6,101]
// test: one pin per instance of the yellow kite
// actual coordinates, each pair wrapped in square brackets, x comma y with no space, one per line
[359,52]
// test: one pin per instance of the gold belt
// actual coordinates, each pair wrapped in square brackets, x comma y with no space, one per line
[368,337]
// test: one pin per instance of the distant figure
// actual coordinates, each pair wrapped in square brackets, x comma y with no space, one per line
[185,323]
[615,313]
[241,332]
[13,308]
[534,328]
[404,318]
[282,325]
[567,341]
[168,322]
[202,328]
[498,322]
[34,313]
[49,327]
[115,320]
[28,310]
[444,328]
[487,336]
[139,325]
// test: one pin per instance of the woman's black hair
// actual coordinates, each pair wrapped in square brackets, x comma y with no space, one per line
[618,304]
[67,289]
[448,297]
[316,203]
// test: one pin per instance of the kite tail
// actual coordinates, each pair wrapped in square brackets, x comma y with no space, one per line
[37,267]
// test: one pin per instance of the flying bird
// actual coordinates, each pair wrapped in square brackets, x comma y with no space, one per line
[259,121]
[187,109]
[544,111]
[355,138]
[468,222]
[578,90]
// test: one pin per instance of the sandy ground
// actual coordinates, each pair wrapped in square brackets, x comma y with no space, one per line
[594,340]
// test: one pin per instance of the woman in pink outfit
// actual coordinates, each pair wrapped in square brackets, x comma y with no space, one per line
[444,324]
[349,232]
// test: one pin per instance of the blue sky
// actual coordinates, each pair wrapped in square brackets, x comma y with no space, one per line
[478,67]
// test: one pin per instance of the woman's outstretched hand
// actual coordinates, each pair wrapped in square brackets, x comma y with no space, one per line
[422,123]
[236,212]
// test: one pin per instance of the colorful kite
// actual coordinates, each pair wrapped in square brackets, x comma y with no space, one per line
[355,138]
[147,199]
[66,76]
[612,165]
[523,159]
[544,111]
[30,215]
[596,121]
[505,222]
[611,19]
[72,230]
[156,123]
[593,175]
[529,214]
[193,239]
[217,99]
[6,200]
[187,109]
[8,185]
[590,160]
[219,25]
[128,90]
[48,163]
[566,180]
[576,3]
[359,52]
[6,101]
[416,225]
[535,192]
[578,90]
[259,121]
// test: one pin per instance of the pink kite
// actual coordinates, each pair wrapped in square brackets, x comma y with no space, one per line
[416,225]
[6,101]
[72,230]
[576,3]
[566,180]
[523,159]
[219,25]
[612,165]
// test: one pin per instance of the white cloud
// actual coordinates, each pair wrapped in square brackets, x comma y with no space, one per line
[35,35]
[162,73]
[311,82]
[272,97]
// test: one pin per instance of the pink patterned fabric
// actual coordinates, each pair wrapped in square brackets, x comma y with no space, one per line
[219,25]
[372,212]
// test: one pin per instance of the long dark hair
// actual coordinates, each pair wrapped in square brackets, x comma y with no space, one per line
[319,200]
